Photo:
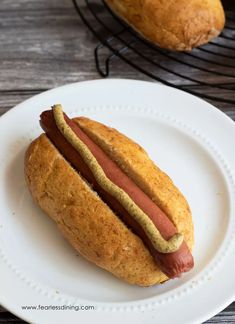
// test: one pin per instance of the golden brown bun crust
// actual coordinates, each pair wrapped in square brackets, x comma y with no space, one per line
[86,221]
[173,24]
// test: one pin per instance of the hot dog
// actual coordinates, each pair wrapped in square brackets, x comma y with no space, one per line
[172,264]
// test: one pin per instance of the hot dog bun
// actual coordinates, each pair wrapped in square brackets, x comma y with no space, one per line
[177,25]
[86,221]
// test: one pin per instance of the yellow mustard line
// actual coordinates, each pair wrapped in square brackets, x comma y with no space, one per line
[159,243]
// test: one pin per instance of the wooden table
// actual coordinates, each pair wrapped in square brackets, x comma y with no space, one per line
[43,44]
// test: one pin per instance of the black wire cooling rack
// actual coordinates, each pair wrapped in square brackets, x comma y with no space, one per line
[208,71]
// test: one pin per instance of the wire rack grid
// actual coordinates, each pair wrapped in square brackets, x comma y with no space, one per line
[208,71]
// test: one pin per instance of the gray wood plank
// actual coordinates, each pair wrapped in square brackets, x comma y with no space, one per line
[227,316]
[45,44]
[42,45]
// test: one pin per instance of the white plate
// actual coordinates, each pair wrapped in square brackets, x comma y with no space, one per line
[189,139]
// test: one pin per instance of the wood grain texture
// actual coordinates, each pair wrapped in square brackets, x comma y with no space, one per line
[43,44]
